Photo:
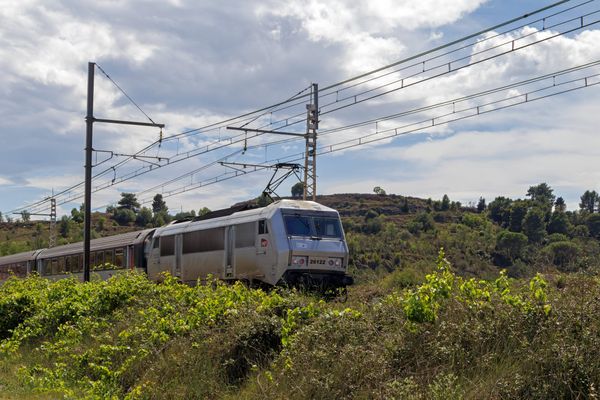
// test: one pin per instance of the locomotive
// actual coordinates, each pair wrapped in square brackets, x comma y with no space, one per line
[287,242]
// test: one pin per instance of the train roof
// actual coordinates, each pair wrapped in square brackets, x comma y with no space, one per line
[302,205]
[241,214]
[124,239]
[20,257]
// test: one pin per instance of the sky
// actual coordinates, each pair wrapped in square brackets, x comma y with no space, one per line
[460,130]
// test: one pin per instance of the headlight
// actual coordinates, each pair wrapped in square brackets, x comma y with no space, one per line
[335,262]
[299,261]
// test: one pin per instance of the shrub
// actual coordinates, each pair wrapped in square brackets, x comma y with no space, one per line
[422,222]
[580,231]
[563,254]
[473,221]
[511,244]
[124,216]
[557,237]
[593,224]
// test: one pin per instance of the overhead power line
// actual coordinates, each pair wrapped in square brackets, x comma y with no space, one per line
[70,194]
[456,112]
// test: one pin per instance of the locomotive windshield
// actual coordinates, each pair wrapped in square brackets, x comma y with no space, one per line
[321,227]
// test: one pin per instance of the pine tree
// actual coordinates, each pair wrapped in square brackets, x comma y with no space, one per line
[481,205]
[159,205]
[589,201]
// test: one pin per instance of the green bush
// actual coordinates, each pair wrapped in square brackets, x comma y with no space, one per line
[563,253]
[557,237]
[511,244]
[473,221]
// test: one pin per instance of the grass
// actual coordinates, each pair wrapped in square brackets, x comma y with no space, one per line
[128,338]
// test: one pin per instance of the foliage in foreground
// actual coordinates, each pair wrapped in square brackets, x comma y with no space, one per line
[447,338]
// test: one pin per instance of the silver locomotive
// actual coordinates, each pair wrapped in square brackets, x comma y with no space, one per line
[288,242]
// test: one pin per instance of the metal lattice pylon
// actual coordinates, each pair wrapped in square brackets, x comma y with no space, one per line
[310,153]
[52,238]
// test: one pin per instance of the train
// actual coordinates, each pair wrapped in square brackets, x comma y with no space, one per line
[288,242]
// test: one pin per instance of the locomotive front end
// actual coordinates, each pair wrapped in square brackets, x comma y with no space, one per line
[318,253]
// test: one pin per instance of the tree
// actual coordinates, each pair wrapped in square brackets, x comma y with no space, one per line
[481,205]
[38,243]
[511,244]
[580,231]
[518,210]
[124,216]
[159,205]
[405,207]
[499,210]
[559,223]
[64,227]
[100,226]
[560,205]
[263,200]
[129,202]
[589,201]
[185,214]
[379,191]
[298,190]
[422,222]
[445,206]
[534,226]
[159,220]
[542,194]
[593,224]
[563,253]
[203,211]
[77,215]
[1,217]
[144,217]
[25,216]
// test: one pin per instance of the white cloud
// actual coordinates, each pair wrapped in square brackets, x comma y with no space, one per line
[367,30]
[49,183]
[470,164]
[190,64]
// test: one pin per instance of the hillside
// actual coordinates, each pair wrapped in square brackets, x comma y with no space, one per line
[419,324]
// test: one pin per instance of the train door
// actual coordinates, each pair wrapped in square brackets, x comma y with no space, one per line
[154,268]
[229,272]
[266,258]
[178,248]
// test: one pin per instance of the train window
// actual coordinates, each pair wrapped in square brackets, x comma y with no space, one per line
[46,267]
[61,265]
[244,235]
[68,267]
[327,227]
[54,266]
[94,260]
[206,240]
[108,259]
[22,269]
[155,243]
[99,260]
[119,258]
[75,264]
[167,246]
[297,225]
[262,227]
